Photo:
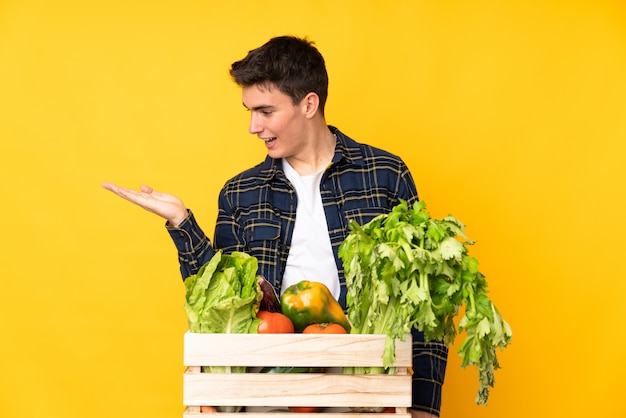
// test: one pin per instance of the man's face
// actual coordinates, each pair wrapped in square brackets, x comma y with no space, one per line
[275,119]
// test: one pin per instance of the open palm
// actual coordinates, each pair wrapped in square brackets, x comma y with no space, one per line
[163,204]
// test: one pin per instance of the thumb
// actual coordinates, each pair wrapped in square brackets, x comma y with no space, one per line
[146,189]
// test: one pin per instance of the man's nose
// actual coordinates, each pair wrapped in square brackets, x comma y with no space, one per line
[255,126]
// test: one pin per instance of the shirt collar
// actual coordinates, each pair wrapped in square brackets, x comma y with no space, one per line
[346,149]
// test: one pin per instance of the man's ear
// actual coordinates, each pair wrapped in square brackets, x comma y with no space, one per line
[310,105]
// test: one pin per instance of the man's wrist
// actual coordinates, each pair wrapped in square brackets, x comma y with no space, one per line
[177,220]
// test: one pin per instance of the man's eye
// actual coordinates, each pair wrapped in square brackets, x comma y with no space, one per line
[267,112]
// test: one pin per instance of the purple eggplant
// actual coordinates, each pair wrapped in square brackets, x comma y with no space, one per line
[270,301]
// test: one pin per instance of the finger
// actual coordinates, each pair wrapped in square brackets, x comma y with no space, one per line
[113,188]
[133,196]
[108,186]
[124,192]
[146,189]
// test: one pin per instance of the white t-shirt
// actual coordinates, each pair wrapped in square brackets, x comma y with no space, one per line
[311,254]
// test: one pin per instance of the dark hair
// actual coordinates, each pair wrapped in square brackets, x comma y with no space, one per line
[292,64]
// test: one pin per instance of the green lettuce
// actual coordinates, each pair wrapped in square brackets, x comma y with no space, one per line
[224,296]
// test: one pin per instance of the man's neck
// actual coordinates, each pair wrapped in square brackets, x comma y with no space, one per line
[318,153]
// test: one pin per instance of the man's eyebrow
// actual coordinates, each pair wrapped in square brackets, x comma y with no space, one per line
[257,108]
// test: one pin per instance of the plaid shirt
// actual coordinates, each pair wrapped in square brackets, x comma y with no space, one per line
[257,213]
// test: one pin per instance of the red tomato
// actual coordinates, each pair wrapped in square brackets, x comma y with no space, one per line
[324,329]
[274,323]
[304,408]
[208,409]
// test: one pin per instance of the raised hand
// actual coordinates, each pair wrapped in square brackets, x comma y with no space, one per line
[165,205]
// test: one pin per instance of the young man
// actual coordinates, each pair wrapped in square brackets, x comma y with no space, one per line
[291,211]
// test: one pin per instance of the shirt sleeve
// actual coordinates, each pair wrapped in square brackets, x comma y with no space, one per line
[406,188]
[429,369]
[194,247]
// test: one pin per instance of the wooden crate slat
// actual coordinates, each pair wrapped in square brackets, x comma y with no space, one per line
[304,350]
[306,389]
[286,414]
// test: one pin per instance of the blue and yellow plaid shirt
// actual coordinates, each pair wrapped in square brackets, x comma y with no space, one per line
[257,213]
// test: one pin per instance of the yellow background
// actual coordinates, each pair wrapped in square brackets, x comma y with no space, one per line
[511,115]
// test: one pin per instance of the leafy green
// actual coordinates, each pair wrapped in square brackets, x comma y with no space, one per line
[224,297]
[405,270]
[291,369]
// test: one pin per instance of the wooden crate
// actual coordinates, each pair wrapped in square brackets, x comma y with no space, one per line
[271,394]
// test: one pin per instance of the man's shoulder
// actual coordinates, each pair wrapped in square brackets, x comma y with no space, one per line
[260,173]
[359,151]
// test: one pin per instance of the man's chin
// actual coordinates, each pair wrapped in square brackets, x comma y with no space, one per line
[274,154]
